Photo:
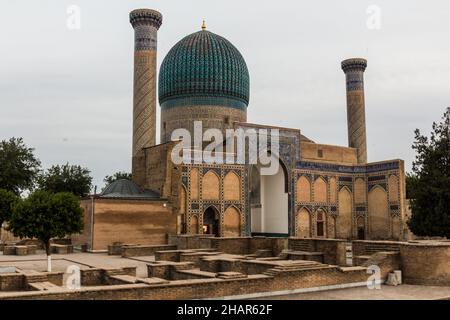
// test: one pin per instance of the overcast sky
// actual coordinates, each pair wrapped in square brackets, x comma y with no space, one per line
[69,92]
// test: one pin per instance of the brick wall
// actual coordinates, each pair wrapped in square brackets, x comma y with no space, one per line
[333,249]
[344,155]
[386,261]
[426,264]
[128,221]
[210,288]
[12,282]
[367,247]
[191,241]
[86,236]
[144,250]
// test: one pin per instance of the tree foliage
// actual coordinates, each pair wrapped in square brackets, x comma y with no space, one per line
[117,176]
[45,215]
[18,166]
[411,181]
[430,189]
[8,200]
[66,178]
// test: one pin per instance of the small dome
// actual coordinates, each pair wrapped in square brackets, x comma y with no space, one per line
[204,69]
[124,188]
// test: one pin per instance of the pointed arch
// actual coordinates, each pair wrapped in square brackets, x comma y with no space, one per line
[193,177]
[378,213]
[344,230]
[361,228]
[331,227]
[182,200]
[211,186]
[232,186]
[320,190]
[231,222]
[303,223]
[193,225]
[321,222]
[182,205]
[303,189]
[333,190]
[396,228]
[360,190]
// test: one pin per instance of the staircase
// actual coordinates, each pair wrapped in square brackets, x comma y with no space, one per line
[300,245]
[296,266]
[44,286]
[374,248]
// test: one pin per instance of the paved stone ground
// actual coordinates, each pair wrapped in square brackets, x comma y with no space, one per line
[60,263]
[402,292]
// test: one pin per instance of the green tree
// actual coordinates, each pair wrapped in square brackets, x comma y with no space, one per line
[66,178]
[411,181]
[8,200]
[117,176]
[45,215]
[430,201]
[18,166]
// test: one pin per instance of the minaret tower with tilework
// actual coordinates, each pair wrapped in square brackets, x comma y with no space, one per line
[146,23]
[356,119]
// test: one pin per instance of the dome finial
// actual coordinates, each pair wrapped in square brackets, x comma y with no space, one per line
[203,25]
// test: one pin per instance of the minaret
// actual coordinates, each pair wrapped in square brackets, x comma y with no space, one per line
[356,118]
[146,23]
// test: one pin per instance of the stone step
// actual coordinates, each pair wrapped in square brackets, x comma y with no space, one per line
[199,273]
[301,246]
[231,275]
[32,278]
[153,280]
[125,278]
[373,248]
[44,286]
[262,253]
[275,271]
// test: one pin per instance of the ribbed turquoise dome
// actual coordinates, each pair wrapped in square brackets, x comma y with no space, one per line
[204,69]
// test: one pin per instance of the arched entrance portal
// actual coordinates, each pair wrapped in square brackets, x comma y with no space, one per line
[269,202]
[211,221]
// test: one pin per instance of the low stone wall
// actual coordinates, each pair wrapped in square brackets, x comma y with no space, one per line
[232,245]
[12,282]
[61,248]
[333,249]
[31,242]
[189,241]
[238,245]
[98,277]
[212,288]
[19,281]
[421,262]
[246,245]
[167,269]
[92,277]
[426,263]
[19,250]
[143,250]
[368,247]
[386,261]
[115,249]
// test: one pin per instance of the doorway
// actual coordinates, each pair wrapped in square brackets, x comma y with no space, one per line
[320,223]
[211,221]
[361,234]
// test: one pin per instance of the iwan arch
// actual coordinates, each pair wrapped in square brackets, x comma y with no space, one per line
[319,190]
